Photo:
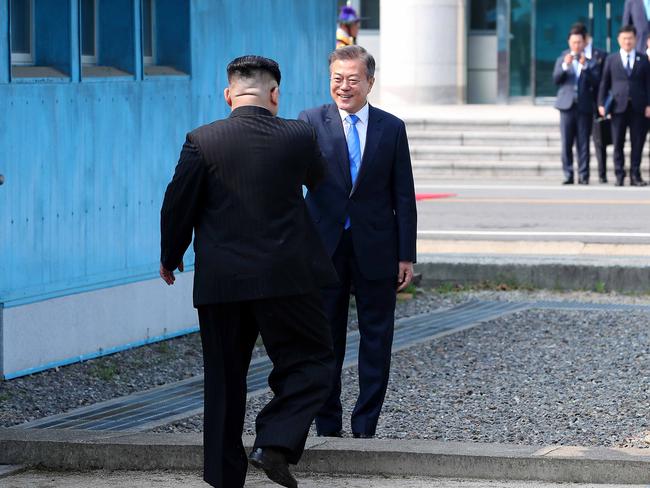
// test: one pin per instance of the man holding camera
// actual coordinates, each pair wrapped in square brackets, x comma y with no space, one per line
[578,81]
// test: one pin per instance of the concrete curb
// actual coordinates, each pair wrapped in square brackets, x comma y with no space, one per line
[81,450]
[572,273]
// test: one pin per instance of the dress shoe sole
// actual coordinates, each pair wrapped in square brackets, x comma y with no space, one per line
[275,473]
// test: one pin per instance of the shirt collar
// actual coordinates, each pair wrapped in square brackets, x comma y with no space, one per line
[624,54]
[362,114]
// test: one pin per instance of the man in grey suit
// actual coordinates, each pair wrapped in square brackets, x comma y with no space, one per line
[637,13]
[577,79]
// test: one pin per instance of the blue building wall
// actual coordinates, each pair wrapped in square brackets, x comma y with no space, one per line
[86,160]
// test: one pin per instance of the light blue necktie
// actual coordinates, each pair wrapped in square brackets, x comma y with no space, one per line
[354,152]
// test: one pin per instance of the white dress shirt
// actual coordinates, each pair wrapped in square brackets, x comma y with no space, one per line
[632,54]
[589,51]
[362,125]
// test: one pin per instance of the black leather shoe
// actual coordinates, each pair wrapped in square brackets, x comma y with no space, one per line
[583,181]
[619,182]
[274,464]
[357,435]
[637,182]
[337,433]
[602,179]
[568,181]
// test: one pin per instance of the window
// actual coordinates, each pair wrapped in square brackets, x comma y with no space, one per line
[40,39]
[483,15]
[107,39]
[370,14]
[166,37]
[89,31]
[22,22]
[148,29]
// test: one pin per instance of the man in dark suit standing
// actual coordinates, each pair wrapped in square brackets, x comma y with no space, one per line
[597,58]
[637,13]
[258,267]
[577,79]
[627,76]
[366,215]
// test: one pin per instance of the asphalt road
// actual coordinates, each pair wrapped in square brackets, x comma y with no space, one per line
[537,211]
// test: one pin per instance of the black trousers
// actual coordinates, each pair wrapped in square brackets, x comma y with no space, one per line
[375,301]
[636,121]
[298,340]
[601,154]
[575,127]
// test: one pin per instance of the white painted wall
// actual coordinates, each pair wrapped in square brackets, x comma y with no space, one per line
[61,329]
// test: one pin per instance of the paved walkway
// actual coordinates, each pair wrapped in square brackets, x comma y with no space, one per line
[103,479]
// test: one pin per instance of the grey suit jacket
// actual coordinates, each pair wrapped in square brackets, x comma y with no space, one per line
[585,96]
[634,14]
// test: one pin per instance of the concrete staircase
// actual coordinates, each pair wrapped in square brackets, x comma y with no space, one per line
[486,141]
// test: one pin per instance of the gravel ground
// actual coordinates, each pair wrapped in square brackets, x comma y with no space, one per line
[535,377]
[62,389]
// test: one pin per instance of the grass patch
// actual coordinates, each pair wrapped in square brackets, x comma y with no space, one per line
[600,287]
[500,285]
[163,348]
[104,371]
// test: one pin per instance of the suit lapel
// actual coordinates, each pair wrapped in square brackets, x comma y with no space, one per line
[373,136]
[337,136]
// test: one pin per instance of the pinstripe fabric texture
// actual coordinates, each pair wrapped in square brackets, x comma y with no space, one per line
[238,186]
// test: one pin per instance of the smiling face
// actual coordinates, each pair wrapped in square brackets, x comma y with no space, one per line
[349,84]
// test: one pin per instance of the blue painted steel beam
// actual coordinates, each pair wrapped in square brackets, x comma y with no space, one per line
[5,54]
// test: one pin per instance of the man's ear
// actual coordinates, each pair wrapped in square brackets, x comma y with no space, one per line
[227,96]
[275,96]
[371,82]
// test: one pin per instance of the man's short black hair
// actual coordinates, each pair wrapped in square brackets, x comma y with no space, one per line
[247,66]
[627,28]
[579,26]
[577,31]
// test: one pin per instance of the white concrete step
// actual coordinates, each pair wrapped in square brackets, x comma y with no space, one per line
[481,125]
[426,168]
[483,138]
[487,154]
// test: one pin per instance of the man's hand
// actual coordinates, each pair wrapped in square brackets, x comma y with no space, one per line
[568,59]
[647,112]
[168,276]
[601,111]
[405,275]
[583,59]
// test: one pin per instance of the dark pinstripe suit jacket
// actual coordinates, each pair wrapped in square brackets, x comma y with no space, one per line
[238,185]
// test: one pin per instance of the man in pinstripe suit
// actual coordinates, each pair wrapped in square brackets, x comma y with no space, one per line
[258,267]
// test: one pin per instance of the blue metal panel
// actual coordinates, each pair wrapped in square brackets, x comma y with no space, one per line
[172,40]
[138,60]
[117,28]
[75,42]
[52,38]
[5,63]
[86,164]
